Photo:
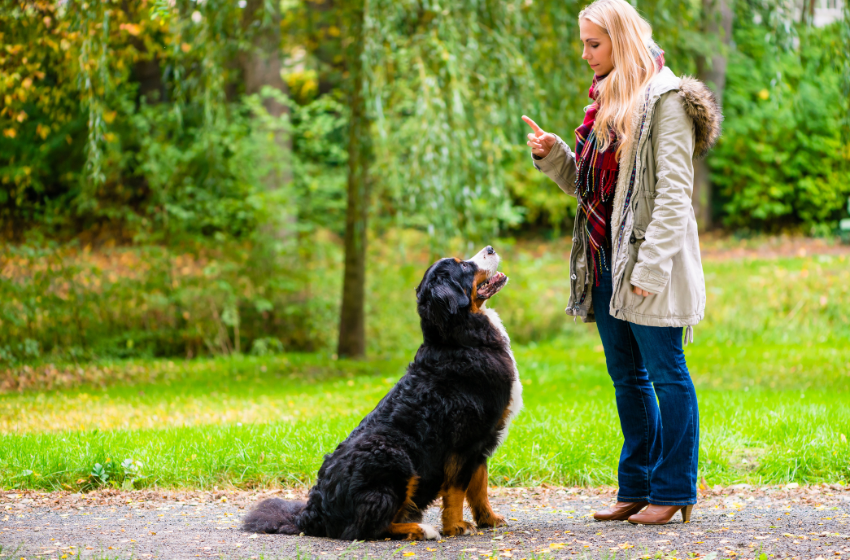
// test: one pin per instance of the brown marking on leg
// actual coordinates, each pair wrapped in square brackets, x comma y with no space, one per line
[453,523]
[451,470]
[408,531]
[409,512]
[476,495]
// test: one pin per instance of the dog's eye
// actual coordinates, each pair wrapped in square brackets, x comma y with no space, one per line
[464,265]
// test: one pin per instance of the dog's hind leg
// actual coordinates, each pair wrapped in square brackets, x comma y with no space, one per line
[409,511]
[476,495]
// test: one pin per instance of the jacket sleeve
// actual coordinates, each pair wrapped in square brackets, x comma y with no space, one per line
[673,148]
[559,165]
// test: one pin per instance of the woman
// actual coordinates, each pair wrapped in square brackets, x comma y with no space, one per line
[635,264]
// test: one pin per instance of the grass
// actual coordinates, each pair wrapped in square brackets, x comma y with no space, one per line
[265,421]
[771,364]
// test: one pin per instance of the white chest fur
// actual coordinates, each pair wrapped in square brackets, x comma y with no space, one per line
[516,387]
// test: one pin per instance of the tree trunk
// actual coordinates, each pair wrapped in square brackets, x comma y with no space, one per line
[718,16]
[261,66]
[352,323]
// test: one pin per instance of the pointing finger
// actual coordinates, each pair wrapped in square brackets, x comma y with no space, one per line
[537,130]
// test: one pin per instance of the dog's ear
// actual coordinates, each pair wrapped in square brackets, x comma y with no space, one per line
[449,297]
[440,298]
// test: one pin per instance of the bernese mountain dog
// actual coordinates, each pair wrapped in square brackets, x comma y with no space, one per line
[431,435]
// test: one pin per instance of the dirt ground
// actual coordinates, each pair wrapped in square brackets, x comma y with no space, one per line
[719,247]
[736,522]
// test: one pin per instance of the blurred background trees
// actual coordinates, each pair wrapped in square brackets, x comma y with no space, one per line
[262,141]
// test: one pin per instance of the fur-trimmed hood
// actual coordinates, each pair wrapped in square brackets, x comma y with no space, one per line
[699,104]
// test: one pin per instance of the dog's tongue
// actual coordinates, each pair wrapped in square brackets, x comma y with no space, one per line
[492,286]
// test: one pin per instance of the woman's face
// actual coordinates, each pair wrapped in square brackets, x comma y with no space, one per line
[597,47]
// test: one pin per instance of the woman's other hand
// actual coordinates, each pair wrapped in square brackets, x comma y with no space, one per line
[640,292]
[541,142]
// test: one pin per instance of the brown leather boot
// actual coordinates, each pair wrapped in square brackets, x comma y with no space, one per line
[660,515]
[620,511]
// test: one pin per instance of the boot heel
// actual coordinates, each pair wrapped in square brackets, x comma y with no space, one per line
[686,513]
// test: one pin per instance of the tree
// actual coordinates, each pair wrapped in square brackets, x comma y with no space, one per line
[352,323]
[261,67]
[718,17]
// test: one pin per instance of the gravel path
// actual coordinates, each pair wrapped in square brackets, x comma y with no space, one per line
[736,522]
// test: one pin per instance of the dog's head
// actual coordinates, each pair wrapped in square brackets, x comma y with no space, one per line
[453,288]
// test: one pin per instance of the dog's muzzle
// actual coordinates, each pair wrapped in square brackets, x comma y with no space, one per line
[488,260]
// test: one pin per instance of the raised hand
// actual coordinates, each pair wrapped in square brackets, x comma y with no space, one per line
[541,142]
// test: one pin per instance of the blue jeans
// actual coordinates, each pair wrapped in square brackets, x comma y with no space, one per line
[658,462]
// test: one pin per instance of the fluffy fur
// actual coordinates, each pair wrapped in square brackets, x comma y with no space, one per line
[701,105]
[431,435]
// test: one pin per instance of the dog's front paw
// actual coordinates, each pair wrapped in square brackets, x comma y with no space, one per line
[461,528]
[429,533]
[494,520]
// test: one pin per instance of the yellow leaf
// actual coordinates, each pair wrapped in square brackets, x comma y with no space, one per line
[409,554]
[557,545]
[10,133]
[27,83]
[109,116]
[131,28]
[764,95]
[185,47]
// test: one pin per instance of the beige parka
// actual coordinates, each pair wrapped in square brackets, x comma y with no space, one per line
[654,230]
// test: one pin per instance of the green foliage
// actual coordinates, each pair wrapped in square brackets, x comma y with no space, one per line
[130,119]
[63,302]
[782,160]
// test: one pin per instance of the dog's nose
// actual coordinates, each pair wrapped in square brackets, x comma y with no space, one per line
[489,250]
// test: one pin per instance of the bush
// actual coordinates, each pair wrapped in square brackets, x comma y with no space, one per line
[64,302]
[781,161]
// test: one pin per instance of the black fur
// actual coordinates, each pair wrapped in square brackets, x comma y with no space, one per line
[446,410]
[274,516]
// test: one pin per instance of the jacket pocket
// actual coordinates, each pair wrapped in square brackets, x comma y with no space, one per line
[644,206]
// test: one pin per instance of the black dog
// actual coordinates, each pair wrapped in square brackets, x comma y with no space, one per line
[431,435]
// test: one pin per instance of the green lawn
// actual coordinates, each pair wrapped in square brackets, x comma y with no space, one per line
[771,364]
[263,421]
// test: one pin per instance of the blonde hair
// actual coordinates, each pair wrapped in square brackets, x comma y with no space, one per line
[619,94]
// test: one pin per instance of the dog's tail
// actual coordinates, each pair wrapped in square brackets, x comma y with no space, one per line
[274,516]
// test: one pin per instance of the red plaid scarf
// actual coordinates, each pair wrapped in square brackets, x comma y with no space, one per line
[596,179]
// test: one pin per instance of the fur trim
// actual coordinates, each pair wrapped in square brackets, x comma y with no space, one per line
[701,105]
